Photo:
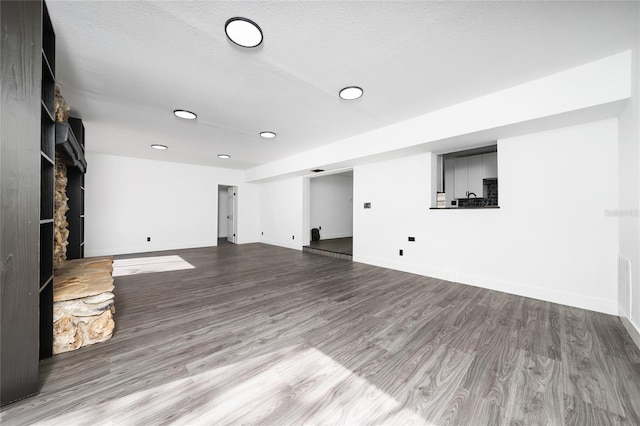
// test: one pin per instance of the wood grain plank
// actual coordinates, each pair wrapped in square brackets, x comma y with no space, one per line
[264,335]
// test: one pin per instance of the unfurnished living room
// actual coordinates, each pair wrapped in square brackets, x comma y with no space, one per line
[320,212]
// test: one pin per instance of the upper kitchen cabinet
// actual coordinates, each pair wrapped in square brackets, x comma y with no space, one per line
[469,172]
[490,165]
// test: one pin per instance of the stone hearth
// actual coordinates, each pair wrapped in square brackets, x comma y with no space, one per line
[83,303]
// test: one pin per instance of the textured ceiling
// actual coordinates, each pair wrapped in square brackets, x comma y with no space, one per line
[125,66]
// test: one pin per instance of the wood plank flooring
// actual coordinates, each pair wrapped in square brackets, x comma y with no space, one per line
[256,334]
[334,245]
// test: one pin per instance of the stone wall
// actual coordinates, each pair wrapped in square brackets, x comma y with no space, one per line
[60,224]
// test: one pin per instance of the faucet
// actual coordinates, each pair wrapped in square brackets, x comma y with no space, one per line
[469,195]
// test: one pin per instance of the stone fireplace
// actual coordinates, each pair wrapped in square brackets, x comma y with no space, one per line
[83,299]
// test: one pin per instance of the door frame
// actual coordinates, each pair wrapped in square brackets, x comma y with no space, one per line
[306,202]
[232,207]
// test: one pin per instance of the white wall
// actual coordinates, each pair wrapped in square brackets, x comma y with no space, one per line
[331,199]
[549,240]
[222,211]
[281,213]
[629,201]
[130,199]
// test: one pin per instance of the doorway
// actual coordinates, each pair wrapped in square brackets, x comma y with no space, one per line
[227,214]
[329,209]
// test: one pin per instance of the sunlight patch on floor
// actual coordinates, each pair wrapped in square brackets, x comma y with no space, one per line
[148,265]
[293,385]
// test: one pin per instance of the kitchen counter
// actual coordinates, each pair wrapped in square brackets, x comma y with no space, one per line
[464,208]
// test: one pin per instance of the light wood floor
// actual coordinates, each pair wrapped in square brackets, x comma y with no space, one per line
[259,334]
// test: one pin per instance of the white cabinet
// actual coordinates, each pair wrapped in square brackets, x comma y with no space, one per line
[449,180]
[469,172]
[461,177]
[490,165]
[476,173]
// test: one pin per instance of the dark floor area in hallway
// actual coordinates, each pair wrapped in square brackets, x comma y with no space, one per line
[341,248]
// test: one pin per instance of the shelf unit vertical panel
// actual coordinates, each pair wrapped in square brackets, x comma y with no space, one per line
[75,192]
[47,179]
[20,119]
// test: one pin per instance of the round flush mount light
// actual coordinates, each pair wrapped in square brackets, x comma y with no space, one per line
[160,147]
[268,135]
[243,32]
[350,93]
[224,156]
[183,113]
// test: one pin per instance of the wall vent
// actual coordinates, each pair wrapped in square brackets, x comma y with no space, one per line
[624,287]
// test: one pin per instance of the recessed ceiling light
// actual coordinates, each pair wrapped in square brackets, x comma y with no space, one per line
[243,32]
[160,147]
[351,93]
[268,135]
[224,156]
[187,115]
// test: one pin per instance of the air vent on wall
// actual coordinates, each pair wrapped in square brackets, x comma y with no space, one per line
[317,170]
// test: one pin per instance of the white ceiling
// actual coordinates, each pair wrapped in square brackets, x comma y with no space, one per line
[125,66]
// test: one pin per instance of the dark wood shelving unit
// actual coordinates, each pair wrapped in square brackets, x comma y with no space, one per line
[27,62]
[47,179]
[75,192]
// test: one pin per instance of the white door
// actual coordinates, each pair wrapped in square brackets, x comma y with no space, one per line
[231,214]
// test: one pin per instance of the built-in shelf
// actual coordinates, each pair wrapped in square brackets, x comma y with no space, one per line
[28,97]
[46,157]
[42,287]
[75,190]
[46,188]
[48,112]
[47,182]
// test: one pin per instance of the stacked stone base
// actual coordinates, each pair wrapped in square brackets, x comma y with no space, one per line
[83,303]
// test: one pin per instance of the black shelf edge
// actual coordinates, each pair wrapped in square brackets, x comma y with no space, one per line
[46,157]
[49,280]
[44,106]
[46,61]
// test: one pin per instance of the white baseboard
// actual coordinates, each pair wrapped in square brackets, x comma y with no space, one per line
[332,236]
[151,247]
[294,246]
[632,330]
[570,299]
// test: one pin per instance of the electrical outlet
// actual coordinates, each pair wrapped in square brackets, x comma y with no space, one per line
[367,205]
[148,239]
[319,228]
[412,238]
[293,237]
[262,233]
[401,252]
